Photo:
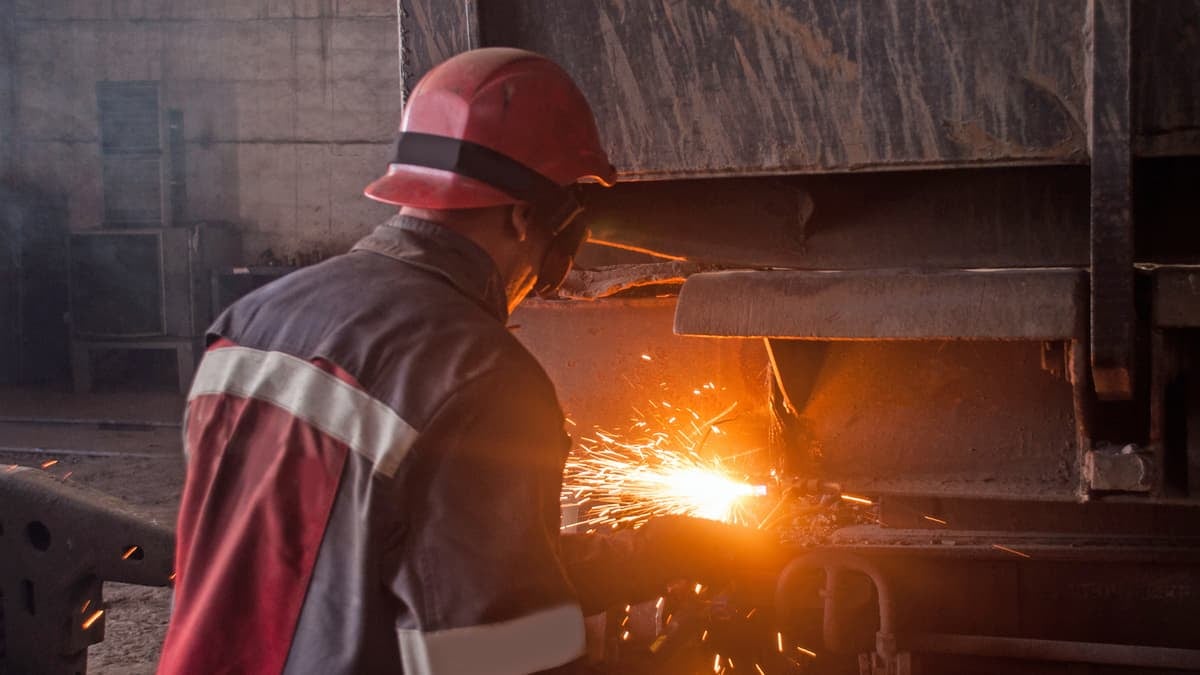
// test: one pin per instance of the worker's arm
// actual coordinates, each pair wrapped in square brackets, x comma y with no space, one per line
[617,568]
[478,576]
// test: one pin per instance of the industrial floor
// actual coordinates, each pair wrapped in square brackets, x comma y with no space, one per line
[128,445]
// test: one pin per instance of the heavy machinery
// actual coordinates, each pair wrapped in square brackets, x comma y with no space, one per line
[966,234]
[951,251]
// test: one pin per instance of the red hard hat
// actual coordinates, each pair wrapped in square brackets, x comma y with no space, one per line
[490,127]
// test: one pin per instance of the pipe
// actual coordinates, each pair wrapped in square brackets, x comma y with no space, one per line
[1051,650]
[830,562]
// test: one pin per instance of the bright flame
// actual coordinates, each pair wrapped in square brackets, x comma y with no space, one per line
[656,469]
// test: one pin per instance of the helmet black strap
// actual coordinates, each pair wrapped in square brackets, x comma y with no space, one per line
[486,166]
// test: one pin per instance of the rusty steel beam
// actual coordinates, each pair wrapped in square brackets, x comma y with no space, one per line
[1043,304]
[1113,315]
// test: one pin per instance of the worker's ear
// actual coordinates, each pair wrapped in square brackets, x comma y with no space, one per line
[521,220]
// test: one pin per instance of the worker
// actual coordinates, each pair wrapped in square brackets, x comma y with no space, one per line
[374,461]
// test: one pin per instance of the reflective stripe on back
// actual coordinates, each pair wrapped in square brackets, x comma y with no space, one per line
[343,411]
[534,642]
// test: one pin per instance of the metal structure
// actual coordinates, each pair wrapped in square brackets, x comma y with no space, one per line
[966,234]
[61,542]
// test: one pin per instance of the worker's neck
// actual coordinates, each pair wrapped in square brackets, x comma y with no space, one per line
[489,229]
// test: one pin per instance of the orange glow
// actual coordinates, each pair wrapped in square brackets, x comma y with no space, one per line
[91,620]
[658,469]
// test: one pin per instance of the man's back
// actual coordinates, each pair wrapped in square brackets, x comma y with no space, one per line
[374,467]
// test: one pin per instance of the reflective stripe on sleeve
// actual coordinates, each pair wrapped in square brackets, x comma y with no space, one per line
[337,408]
[534,642]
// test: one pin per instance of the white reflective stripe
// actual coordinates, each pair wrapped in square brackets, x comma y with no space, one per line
[337,408]
[539,641]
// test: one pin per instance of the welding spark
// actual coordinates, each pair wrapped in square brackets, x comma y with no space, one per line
[1013,551]
[717,663]
[95,616]
[646,357]
[759,669]
[807,652]
[657,470]
[49,463]
[858,500]
[931,519]
[129,552]
[779,641]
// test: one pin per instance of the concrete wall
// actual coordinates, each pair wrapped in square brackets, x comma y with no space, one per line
[289,106]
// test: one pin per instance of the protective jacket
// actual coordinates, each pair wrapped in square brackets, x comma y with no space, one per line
[374,468]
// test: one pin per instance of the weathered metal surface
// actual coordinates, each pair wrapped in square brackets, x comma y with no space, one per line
[601,282]
[431,31]
[1177,296]
[979,218]
[1167,90]
[60,543]
[1044,304]
[958,418]
[745,86]
[613,357]
[785,86]
[1110,138]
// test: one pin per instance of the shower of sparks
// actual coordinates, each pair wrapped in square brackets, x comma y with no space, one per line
[656,469]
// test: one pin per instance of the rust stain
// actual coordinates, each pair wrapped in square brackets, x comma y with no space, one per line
[817,49]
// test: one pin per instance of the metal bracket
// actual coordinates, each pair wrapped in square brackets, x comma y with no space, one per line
[1113,315]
